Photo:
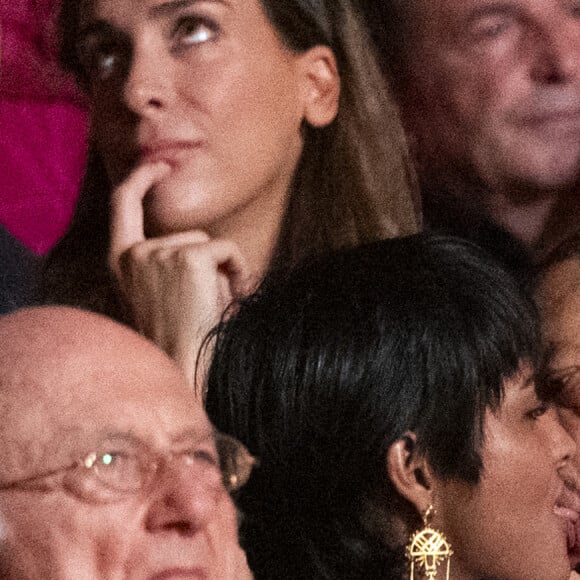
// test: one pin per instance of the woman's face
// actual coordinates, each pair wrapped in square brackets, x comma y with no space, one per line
[206,86]
[514,524]
[559,301]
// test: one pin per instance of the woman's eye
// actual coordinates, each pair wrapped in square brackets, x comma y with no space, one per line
[569,398]
[192,31]
[100,60]
[105,65]
[538,411]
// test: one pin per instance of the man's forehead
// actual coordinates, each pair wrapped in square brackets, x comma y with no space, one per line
[36,438]
[58,389]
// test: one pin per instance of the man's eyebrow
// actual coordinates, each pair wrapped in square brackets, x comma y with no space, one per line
[199,436]
[172,6]
[189,435]
[491,8]
[110,436]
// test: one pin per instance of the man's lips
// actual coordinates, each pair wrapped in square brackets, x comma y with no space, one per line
[559,121]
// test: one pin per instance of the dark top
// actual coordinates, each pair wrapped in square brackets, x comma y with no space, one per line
[447,215]
[18,272]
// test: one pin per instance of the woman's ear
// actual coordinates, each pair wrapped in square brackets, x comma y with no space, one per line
[321,86]
[410,472]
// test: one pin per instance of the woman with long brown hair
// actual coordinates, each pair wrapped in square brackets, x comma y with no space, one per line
[229,139]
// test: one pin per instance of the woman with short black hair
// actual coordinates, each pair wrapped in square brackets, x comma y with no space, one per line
[386,385]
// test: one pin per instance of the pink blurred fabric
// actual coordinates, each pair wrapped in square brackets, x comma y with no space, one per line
[43,127]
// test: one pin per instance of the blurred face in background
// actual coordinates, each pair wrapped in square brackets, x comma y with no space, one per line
[493,89]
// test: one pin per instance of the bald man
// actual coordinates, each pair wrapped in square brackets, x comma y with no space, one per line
[109,466]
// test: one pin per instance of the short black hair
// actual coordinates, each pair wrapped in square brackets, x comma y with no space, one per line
[324,369]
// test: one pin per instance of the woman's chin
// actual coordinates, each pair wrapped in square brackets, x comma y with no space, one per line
[168,210]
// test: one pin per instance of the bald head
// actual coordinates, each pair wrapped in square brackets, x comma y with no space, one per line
[74,384]
[56,339]
[62,370]
[48,326]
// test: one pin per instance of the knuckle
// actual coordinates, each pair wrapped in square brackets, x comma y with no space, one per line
[189,257]
[137,253]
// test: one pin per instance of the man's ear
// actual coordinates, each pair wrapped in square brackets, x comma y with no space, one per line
[410,472]
[321,86]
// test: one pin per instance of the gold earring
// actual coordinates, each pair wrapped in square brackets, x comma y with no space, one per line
[428,549]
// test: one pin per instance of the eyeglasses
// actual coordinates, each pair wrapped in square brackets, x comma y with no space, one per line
[123,466]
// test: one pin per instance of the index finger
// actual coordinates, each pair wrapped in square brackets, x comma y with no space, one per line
[127,216]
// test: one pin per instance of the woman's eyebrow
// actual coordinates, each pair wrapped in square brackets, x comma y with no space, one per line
[162,10]
[94,27]
[168,8]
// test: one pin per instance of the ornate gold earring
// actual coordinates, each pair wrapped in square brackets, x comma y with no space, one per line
[428,549]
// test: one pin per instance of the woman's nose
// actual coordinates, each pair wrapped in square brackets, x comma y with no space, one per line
[149,85]
[563,443]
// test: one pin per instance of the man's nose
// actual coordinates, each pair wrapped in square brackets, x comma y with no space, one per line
[556,49]
[182,500]
[149,85]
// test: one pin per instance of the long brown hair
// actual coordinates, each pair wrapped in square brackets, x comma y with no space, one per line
[354,182]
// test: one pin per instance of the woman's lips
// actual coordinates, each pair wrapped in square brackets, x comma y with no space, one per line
[571,519]
[170,152]
[569,514]
[567,508]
